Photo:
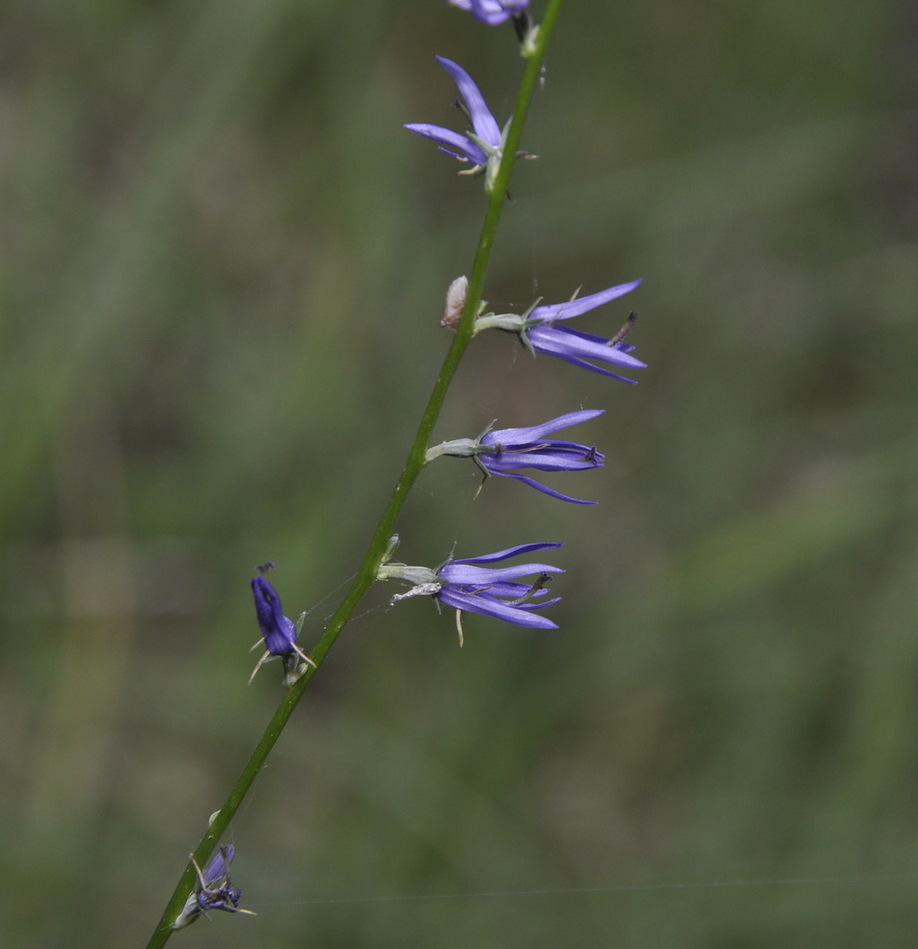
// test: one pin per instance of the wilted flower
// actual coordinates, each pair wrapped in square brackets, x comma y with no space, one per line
[540,334]
[213,890]
[491,12]
[482,147]
[468,587]
[278,633]
[506,451]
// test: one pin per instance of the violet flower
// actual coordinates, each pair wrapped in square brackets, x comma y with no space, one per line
[482,147]
[213,890]
[506,451]
[540,334]
[278,632]
[492,12]
[468,587]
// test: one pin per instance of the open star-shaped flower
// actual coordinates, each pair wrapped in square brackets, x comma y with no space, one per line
[508,451]
[513,449]
[470,585]
[540,333]
[497,591]
[482,148]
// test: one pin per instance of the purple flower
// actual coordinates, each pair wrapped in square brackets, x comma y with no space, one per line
[497,592]
[540,334]
[491,12]
[516,448]
[506,451]
[278,633]
[468,587]
[482,147]
[214,890]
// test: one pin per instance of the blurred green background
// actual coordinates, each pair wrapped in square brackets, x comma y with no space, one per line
[223,267]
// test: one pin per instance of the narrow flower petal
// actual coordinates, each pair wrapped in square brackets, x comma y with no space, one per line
[576,347]
[554,456]
[484,123]
[507,554]
[544,488]
[476,603]
[535,433]
[492,12]
[454,144]
[462,573]
[580,305]
[218,865]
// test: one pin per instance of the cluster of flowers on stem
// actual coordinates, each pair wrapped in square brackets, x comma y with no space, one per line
[478,584]
[484,584]
[473,584]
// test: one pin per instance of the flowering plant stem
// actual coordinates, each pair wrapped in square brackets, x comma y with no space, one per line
[366,574]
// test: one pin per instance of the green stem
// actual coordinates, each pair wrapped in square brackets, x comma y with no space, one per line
[366,574]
